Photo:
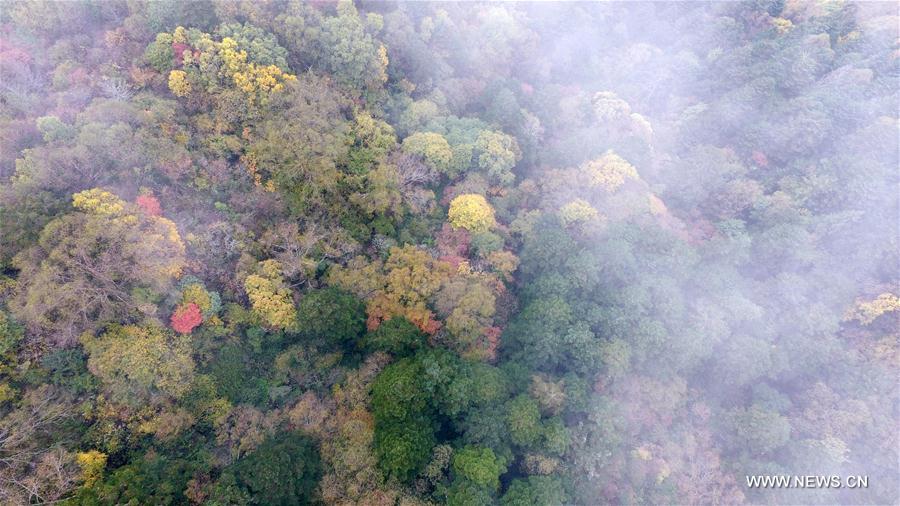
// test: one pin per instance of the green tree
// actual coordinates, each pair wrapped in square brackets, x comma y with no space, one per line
[396,336]
[535,491]
[497,154]
[298,146]
[332,314]
[466,493]
[262,47]
[398,391]
[759,431]
[148,479]
[479,465]
[284,470]
[351,53]
[403,447]
[523,417]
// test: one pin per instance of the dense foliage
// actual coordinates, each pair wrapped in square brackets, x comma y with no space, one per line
[283,252]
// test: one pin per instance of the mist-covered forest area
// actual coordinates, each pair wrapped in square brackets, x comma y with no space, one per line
[415,253]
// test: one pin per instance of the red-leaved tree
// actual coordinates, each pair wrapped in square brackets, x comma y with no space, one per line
[186,317]
[149,204]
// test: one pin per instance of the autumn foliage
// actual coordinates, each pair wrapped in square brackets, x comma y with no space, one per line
[186,317]
[471,212]
[492,253]
[149,204]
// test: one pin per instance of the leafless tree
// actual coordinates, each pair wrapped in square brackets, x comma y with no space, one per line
[34,467]
[412,171]
[116,88]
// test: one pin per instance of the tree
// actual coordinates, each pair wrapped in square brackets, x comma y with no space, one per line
[504,263]
[497,153]
[868,312]
[402,285]
[534,490]
[34,465]
[550,394]
[398,392]
[485,243]
[479,465]
[243,430]
[576,212]
[197,62]
[486,426]
[297,147]
[609,108]
[555,437]
[404,447]
[89,266]
[610,171]
[283,470]
[193,291]
[149,204]
[270,297]
[416,115]
[468,305]
[333,314]
[352,470]
[92,464]
[466,493]
[759,431]
[404,431]
[397,336]
[53,129]
[179,84]
[538,333]
[148,479]
[262,47]
[11,336]
[30,210]
[137,362]
[471,212]
[523,417]
[53,476]
[372,140]
[350,53]
[185,318]
[431,147]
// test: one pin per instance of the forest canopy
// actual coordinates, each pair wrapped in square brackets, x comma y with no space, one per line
[414,253]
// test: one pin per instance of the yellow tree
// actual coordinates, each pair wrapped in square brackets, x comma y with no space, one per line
[91,463]
[214,66]
[400,286]
[179,84]
[138,362]
[471,212]
[867,312]
[610,171]
[270,297]
[576,212]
